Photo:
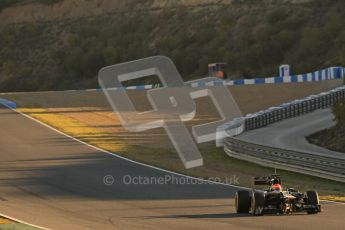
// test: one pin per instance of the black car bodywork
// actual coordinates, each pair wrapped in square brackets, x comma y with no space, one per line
[269,201]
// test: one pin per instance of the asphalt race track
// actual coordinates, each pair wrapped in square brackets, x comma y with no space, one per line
[291,133]
[53,181]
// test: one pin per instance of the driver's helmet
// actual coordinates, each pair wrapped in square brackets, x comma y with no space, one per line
[276,186]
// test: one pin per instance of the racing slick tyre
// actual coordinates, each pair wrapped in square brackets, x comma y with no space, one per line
[257,203]
[242,201]
[312,199]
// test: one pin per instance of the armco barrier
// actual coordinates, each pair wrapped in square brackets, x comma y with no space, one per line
[8,103]
[229,129]
[306,163]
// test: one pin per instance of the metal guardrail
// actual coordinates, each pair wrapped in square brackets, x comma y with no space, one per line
[306,163]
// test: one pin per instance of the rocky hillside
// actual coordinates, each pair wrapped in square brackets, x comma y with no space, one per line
[61,44]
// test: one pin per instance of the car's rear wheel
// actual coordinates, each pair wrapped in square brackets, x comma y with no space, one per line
[257,203]
[242,201]
[312,199]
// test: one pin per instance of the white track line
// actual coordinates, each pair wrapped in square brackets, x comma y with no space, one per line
[23,222]
[334,202]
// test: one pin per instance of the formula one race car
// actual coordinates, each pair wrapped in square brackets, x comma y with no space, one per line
[275,200]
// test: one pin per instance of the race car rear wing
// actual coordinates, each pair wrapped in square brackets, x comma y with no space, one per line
[266,180]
